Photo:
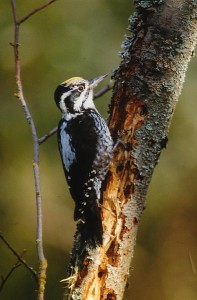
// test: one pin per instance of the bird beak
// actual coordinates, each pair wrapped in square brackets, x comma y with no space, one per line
[94,82]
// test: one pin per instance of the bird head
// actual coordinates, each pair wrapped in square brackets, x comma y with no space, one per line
[76,94]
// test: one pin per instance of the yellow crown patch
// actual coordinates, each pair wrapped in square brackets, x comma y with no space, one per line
[72,80]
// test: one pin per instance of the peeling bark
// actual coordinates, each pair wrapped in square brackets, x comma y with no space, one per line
[148,83]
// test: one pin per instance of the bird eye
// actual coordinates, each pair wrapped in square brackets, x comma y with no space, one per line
[81,88]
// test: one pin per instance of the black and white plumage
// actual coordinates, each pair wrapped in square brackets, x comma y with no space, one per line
[85,146]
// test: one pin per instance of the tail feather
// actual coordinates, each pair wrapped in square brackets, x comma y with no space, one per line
[89,222]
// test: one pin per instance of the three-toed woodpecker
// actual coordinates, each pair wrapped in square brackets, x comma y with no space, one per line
[85,146]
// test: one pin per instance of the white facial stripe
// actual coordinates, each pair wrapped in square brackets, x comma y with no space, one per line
[80,104]
[62,101]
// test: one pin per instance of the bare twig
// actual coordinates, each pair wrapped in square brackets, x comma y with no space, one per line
[20,261]
[34,11]
[20,96]
[19,257]
[48,135]
[5,279]
[102,91]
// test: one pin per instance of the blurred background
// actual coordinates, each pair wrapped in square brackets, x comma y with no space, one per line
[83,38]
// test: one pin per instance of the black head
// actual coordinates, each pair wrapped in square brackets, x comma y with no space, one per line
[76,94]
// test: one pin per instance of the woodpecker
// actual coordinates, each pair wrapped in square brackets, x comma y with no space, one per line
[85,146]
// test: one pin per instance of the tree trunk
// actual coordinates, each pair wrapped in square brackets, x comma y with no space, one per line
[148,83]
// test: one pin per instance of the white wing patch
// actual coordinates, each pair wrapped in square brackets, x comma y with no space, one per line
[68,153]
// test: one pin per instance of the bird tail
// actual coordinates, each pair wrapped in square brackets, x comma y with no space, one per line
[89,221]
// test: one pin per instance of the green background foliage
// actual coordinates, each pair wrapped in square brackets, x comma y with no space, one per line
[82,38]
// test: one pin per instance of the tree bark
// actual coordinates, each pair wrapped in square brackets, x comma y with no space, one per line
[147,85]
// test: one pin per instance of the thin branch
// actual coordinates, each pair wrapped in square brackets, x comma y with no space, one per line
[48,135]
[5,279]
[13,4]
[19,257]
[102,91]
[34,11]
[20,96]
